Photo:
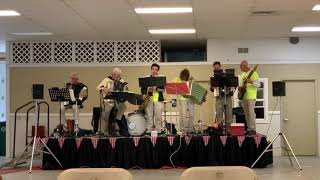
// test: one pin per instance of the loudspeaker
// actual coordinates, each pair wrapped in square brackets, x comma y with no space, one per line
[278,88]
[37,91]
[294,40]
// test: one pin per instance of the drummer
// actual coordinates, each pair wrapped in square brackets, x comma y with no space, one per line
[105,88]
[185,104]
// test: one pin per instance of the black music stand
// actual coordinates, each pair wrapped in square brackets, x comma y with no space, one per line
[145,82]
[149,81]
[123,96]
[59,95]
[120,96]
[224,80]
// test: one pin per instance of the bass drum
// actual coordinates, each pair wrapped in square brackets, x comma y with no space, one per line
[137,124]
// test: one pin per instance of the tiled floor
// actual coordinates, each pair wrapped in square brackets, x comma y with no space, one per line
[280,170]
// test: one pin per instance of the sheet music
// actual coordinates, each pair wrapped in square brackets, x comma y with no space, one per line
[72,97]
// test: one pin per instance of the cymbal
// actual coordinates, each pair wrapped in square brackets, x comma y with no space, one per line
[135,99]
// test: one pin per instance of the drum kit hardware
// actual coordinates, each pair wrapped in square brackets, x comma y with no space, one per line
[137,120]
[137,123]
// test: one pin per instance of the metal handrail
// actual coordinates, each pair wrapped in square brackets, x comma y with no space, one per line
[15,126]
[27,123]
[48,122]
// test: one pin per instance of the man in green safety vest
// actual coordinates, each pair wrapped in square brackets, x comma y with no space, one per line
[249,99]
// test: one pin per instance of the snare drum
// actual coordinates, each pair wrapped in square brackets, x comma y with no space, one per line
[137,124]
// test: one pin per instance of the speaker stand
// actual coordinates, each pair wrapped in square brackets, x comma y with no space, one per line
[283,136]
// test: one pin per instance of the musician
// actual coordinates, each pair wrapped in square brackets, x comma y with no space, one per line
[105,88]
[185,104]
[80,92]
[249,99]
[154,107]
[219,95]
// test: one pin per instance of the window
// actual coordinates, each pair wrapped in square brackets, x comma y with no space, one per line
[2,46]
[261,107]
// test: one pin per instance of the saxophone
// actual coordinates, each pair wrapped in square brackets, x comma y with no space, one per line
[146,101]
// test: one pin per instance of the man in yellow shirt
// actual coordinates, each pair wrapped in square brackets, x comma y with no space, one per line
[105,87]
[185,105]
[249,99]
[155,100]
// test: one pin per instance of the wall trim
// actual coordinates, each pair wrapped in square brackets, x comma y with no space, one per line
[109,64]
[50,114]
[252,61]
[173,113]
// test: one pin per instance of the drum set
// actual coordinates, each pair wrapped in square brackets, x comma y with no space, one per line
[137,120]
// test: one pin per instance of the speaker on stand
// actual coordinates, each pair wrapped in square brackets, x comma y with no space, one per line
[279,89]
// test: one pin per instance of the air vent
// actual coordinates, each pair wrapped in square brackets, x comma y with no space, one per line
[3,55]
[264,13]
[243,50]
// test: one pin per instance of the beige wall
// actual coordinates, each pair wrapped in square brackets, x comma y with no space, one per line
[21,80]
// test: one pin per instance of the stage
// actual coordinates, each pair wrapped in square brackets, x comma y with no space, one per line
[154,152]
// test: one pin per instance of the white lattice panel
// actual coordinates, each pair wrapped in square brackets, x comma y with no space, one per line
[41,52]
[105,52]
[126,51]
[149,51]
[62,52]
[84,52]
[20,52]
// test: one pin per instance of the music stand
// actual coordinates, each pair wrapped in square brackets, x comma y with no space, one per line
[177,89]
[224,80]
[59,95]
[121,96]
[149,81]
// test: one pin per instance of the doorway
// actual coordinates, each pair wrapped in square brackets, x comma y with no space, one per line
[299,115]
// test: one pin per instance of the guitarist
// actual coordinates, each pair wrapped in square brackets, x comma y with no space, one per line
[248,100]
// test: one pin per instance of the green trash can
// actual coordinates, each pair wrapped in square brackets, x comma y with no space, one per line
[2,138]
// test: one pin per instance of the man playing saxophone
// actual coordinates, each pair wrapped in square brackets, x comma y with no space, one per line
[153,103]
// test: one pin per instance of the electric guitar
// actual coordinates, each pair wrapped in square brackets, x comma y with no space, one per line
[243,89]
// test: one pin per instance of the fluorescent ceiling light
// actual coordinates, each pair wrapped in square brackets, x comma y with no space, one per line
[32,34]
[9,13]
[172,31]
[316,7]
[163,10]
[306,29]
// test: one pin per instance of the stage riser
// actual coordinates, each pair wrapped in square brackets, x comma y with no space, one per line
[147,153]
[85,122]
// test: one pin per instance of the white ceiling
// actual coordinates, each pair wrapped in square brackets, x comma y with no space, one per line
[116,19]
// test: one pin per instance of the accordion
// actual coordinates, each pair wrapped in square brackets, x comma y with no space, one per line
[198,93]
